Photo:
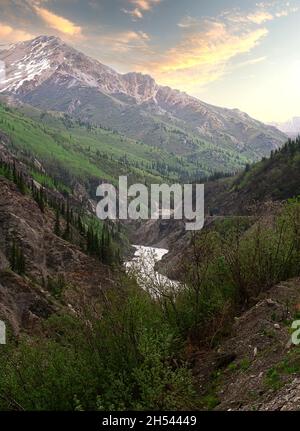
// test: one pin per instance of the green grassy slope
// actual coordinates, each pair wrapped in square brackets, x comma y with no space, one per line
[277,177]
[73,150]
[174,141]
[88,151]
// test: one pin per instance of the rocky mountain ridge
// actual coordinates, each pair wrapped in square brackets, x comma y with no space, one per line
[49,74]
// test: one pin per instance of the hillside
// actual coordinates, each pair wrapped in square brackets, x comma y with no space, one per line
[94,151]
[221,342]
[230,350]
[259,189]
[237,305]
[275,178]
[80,333]
[53,76]
[78,151]
[255,368]
[50,242]
[272,179]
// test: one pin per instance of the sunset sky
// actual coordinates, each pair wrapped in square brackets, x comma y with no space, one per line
[239,54]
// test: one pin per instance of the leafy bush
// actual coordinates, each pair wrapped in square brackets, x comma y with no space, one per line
[120,358]
[126,352]
[229,266]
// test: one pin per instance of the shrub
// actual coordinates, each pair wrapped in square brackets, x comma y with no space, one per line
[229,266]
[120,358]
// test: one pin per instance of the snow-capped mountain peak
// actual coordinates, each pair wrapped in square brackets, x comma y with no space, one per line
[29,64]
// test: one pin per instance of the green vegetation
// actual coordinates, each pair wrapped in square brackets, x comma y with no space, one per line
[244,364]
[273,379]
[277,375]
[102,240]
[73,150]
[276,177]
[48,182]
[127,352]
[210,400]
[56,286]
[17,259]
[120,361]
[229,267]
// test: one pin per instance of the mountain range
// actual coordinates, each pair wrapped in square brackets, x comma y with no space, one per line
[290,127]
[82,335]
[52,76]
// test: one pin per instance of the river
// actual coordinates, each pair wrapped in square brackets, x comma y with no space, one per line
[142,266]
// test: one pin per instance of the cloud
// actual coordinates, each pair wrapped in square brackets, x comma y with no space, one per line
[282,13]
[9,34]
[124,42]
[57,22]
[264,12]
[208,46]
[188,22]
[204,53]
[140,7]
[144,5]
[135,13]
[252,61]
[258,17]
[236,17]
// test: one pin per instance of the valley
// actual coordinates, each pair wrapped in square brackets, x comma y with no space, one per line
[143,267]
[179,321]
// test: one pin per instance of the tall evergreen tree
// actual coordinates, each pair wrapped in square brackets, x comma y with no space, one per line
[57,223]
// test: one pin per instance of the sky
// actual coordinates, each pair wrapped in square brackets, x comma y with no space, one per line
[232,53]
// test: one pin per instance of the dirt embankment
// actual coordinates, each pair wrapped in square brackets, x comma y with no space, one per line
[50,262]
[257,367]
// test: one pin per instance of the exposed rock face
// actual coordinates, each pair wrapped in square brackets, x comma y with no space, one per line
[288,399]
[30,64]
[3,262]
[253,376]
[21,221]
[21,305]
[49,74]
[25,300]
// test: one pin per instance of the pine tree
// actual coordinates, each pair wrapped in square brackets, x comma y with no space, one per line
[67,233]
[57,223]
[17,259]
[38,196]
[20,262]
[106,253]
[13,255]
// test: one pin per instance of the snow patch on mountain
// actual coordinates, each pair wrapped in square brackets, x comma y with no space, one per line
[49,73]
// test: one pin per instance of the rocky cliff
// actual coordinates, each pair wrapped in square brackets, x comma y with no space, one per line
[55,272]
